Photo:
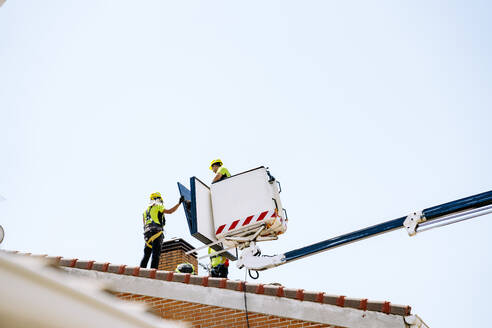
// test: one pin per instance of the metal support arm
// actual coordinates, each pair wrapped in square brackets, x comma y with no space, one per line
[437,216]
[252,259]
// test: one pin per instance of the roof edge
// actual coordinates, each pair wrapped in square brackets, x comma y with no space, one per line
[232,299]
[299,295]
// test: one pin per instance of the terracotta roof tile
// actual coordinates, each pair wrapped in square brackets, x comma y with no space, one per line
[270,290]
[84,265]
[161,275]
[196,280]
[100,266]
[352,302]
[208,282]
[67,262]
[233,284]
[214,282]
[330,299]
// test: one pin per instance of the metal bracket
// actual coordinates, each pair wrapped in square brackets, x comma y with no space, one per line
[252,259]
[246,239]
[411,222]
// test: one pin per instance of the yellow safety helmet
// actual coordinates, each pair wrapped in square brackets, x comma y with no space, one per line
[216,161]
[155,195]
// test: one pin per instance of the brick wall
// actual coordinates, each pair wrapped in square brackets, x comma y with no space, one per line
[173,253]
[207,316]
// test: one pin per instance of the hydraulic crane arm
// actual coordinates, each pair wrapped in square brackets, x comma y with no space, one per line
[429,218]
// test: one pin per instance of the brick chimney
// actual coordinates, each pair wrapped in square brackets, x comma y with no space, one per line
[173,253]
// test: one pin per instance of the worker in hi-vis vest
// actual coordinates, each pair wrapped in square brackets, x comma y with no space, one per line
[185,268]
[154,221]
[221,173]
[219,264]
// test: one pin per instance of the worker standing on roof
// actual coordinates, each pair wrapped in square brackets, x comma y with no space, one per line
[154,221]
[220,265]
[221,173]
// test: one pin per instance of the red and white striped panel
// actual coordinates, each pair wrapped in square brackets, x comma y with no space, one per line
[246,221]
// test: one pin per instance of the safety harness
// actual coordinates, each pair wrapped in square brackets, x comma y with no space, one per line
[151,225]
[151,239]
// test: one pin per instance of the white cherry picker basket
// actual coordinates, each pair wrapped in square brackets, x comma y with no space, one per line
[234,212]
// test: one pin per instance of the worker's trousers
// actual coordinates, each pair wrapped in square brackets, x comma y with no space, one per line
[155,250]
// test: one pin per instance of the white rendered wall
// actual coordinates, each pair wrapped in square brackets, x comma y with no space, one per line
[271,305]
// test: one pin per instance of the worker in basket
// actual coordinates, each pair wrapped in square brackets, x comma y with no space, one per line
[219,264]
[185,268]
[221,173]
[154,221]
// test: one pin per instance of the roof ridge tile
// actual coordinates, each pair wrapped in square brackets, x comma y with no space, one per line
[235,285]
[341,301]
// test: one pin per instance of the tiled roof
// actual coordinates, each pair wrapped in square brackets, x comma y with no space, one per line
[236,285]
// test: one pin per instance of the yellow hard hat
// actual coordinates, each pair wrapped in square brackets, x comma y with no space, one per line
[155,195]
[216,161]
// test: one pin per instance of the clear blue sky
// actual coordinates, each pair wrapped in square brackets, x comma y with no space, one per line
[363,110]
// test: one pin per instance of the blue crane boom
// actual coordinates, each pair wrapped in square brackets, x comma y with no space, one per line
[429,218]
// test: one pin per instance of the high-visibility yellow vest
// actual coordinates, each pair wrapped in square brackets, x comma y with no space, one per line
[225,173]
[217,259]
[151,215]
[222,170]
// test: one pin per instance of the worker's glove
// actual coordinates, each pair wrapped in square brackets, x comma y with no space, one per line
[181,199]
